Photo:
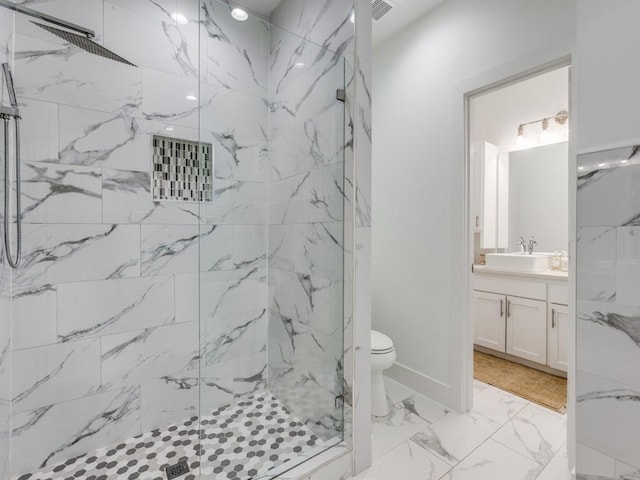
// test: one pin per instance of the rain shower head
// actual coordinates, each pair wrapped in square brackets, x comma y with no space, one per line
[81,39]
[85,43]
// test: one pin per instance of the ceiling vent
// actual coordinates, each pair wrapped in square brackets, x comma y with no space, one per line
[381,8]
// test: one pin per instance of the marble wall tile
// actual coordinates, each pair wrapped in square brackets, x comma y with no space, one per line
[315,196]
[608,417]
[147,41]
[187,297]
[608,195]
[596,263]
[58,432]
[107,140]
[608,338]
[236,202]
[628,262]
[51,71]
[249,374]
[92,309]
[33,317]
[218,24]
[327,24]
[313,249]
[169,400]
[61,194]
[38,130]
[127,198]
[229,292]
[74,253]
[168,249]
[590,463]
[87,13]
[54,373]
[309,145]
[229,247]
[232,336]
[131,358]
[182,106]
[216,388]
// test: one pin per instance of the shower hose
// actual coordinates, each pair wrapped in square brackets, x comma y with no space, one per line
[13,262]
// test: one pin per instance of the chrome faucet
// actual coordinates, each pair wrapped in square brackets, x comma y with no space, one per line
[523,245]
[532,244]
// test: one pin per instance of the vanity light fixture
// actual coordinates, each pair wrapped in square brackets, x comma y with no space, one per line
[239,14]
[179,18]
[560,118]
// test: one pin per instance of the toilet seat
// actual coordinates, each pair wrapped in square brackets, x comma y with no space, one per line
[380,343]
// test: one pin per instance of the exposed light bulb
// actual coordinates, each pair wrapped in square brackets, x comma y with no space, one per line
[544,136]
[179,18]
[239,14]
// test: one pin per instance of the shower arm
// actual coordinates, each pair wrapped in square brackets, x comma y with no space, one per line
[48,18]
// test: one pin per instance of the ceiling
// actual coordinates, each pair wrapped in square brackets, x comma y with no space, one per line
[405,13]
[263,7]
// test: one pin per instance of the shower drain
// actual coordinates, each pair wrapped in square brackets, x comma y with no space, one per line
[177,470]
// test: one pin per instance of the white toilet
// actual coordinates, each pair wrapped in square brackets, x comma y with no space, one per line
[383,355]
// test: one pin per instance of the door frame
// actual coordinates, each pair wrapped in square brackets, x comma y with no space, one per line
[461,337]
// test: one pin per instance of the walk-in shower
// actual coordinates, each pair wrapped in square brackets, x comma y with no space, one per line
[179,306]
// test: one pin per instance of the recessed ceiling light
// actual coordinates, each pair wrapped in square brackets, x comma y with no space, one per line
[239,14]
[193,98]
[179,18]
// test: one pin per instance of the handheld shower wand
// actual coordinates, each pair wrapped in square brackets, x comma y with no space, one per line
[6,114]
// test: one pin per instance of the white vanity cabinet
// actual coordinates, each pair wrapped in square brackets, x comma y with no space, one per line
[527,329]
[522,316]
[557,336]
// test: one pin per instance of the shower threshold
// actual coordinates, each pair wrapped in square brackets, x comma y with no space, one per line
[255,438]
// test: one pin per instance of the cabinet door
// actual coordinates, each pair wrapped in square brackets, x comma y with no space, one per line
[489,320]
[558,336]
[527,329]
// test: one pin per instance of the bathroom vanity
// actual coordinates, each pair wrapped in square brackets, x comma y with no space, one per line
[522,316]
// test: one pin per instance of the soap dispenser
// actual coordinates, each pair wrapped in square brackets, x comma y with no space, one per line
[555,261]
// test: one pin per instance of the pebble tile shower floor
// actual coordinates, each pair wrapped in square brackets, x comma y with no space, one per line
[237,442]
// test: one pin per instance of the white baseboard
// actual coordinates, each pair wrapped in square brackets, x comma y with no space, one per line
[421,383]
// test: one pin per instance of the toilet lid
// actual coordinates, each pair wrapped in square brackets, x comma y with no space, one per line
[380,342]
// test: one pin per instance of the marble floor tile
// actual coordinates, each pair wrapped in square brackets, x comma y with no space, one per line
[536,432]
[494,461]
[478,387]
[425,408]
[558,467]
[455,436]
[407,461]
[497,405]
[390,431]
[397,392]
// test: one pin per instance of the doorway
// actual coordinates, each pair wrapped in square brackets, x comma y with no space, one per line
[519,205]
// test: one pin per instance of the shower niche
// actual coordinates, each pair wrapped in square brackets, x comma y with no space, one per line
[182,170]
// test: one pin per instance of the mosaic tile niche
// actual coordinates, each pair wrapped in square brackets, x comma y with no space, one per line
[182,170]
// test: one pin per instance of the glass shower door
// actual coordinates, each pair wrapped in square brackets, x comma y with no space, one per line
[271,252]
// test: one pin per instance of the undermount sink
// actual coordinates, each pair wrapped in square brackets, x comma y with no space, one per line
[520,262]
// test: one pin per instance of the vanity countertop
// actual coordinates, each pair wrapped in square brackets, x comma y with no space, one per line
[547,275]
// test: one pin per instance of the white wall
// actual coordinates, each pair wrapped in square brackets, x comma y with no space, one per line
[539,197]
[418,199]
